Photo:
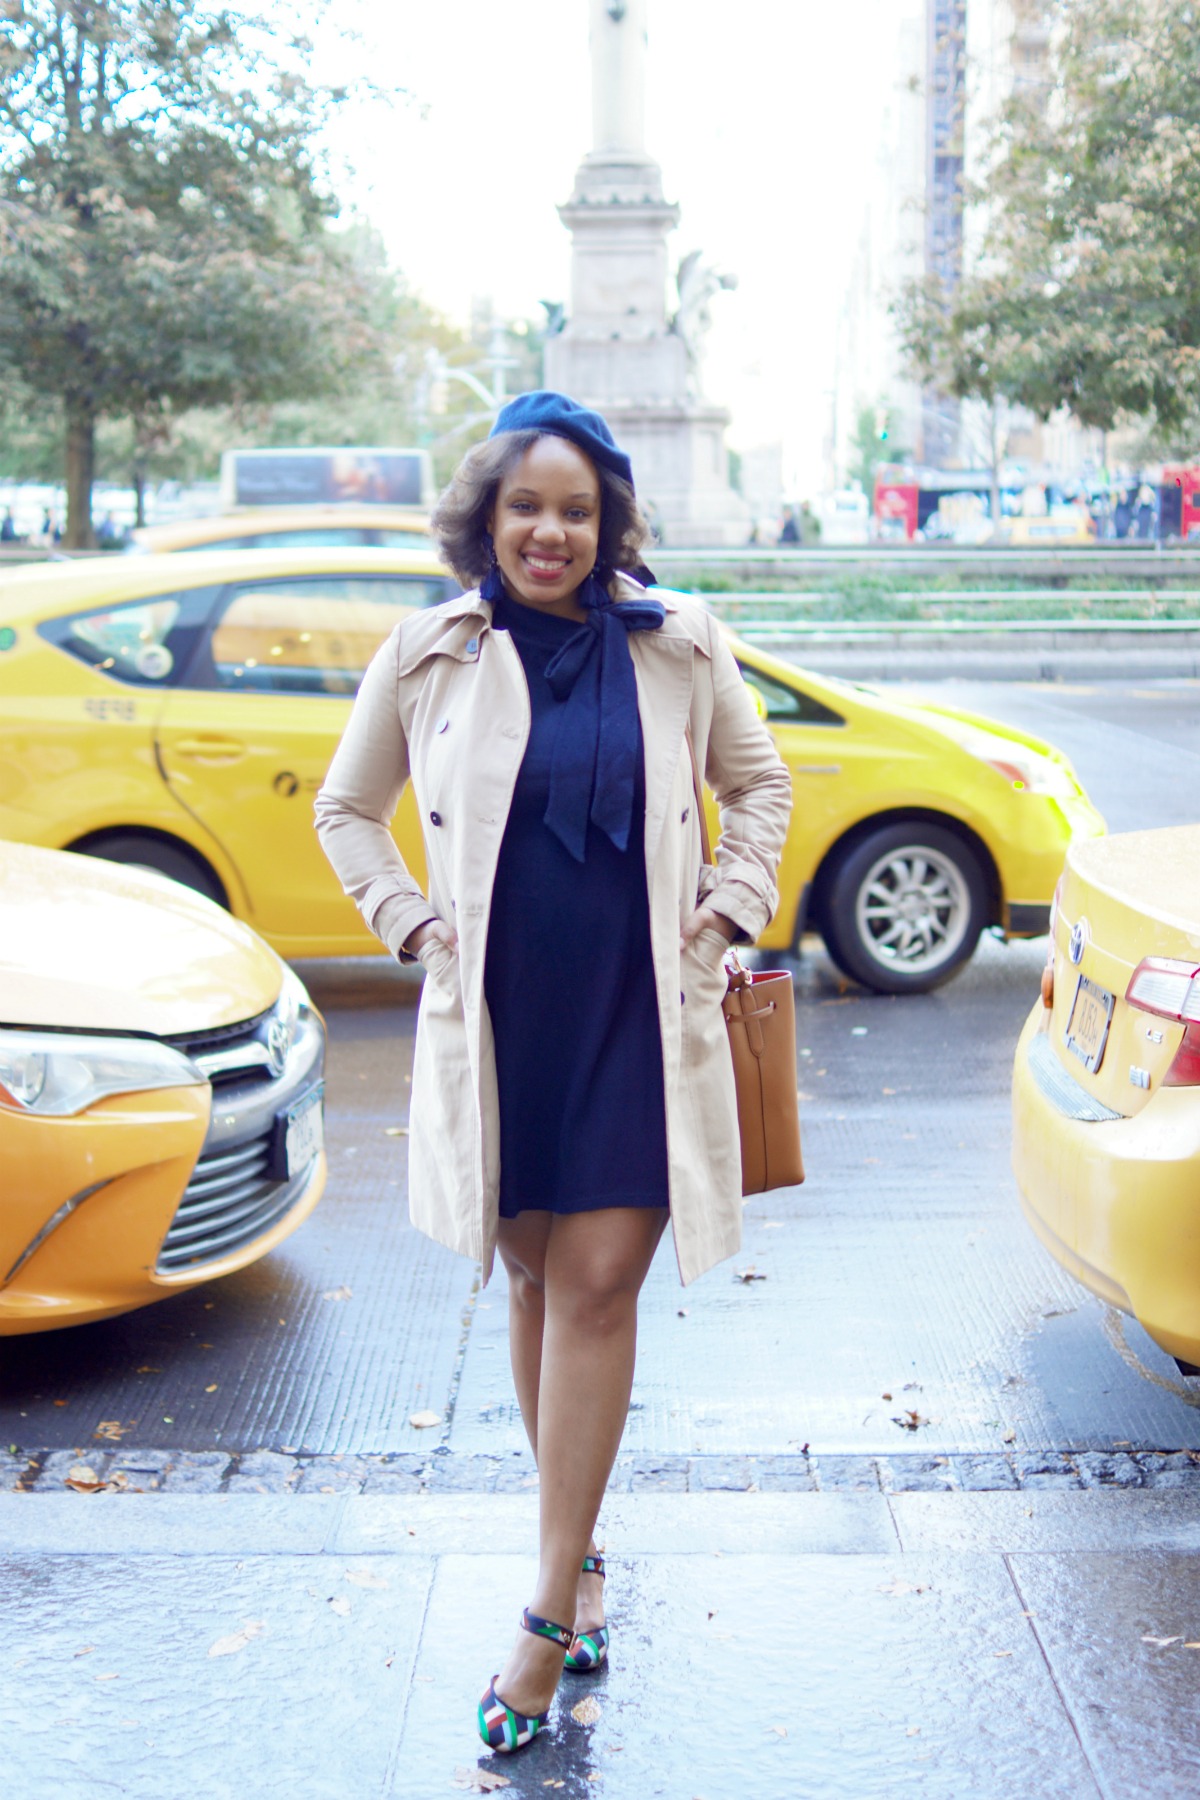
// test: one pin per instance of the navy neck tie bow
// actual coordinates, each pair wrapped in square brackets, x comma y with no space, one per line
[593,768]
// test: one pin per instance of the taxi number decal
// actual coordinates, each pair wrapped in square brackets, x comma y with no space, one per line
[125,710]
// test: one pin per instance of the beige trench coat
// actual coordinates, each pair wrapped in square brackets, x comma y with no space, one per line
[446,704]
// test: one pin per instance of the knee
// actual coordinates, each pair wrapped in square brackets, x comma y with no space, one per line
[527,1287]
[599,1299]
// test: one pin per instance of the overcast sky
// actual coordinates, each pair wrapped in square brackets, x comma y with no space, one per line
[763,116]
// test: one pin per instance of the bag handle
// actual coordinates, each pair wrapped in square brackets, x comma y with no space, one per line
[739,975]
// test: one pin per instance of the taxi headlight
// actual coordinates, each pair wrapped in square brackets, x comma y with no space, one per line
[56,1074]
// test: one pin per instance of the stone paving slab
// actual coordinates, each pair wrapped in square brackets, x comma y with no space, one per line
[167,1525]
[1047,1522]
[110,1685]
[805,1678]
[1115,1630]
[637,1525]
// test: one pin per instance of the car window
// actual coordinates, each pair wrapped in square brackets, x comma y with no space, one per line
[308,537]
[789,705]
[315,635]
[146,642]
[400,539]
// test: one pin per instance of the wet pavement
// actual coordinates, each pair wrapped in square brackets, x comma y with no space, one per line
[899,1507]
[784,1646]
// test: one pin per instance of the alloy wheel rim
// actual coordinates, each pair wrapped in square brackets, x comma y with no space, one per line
[912,909]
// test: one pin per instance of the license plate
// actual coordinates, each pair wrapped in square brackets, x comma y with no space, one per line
[1087,1027]
[304,1132]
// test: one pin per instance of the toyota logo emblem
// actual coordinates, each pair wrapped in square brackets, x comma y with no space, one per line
[279,1042]
[1079,938]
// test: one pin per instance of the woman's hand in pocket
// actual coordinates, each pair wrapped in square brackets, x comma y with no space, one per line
[704,919]
[432,929]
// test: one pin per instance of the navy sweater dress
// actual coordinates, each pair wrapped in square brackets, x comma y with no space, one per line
[569,984]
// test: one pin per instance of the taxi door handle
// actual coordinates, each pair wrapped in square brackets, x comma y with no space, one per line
[212,749]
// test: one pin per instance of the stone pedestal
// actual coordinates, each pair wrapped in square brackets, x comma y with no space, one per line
[618,351]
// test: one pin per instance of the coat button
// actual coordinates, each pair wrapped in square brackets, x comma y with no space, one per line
[435,818]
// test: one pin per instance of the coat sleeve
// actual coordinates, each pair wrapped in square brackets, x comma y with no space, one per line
[753,791]
[355,806]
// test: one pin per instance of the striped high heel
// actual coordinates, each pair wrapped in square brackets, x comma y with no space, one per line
[500,1726]
[588,1648]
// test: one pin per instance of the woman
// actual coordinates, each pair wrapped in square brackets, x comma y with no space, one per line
[572,1086]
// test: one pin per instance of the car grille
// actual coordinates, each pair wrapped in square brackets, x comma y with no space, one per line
[230,1052]
[230,1200]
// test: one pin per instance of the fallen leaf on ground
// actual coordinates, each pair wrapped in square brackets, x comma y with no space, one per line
[340,1605]
[211,1389]
[1010,1437]
[885,1396]
[111,1429]
[338,1293]
[112,1677]
[480,1781]
[237,1640]
[423,1420]
[899,1587]
[748,1275]
[395,1131]
[83,1479]
[366,1578]
[779,1730]
[586,1712]
[1001,1652]
[1162,1642]
[86,1651]
[909,1421]
[913,1731]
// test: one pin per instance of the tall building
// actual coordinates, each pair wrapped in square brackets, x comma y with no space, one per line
[957,62]
[945,159]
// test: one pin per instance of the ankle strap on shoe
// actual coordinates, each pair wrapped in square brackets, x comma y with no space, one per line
[536,1626]
[594,1565]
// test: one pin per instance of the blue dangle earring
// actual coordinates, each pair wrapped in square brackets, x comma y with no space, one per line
[491,587]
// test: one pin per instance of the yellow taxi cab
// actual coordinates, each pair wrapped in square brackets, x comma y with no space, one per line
[180,713]
[160,1091]
[1106,1084]
[1062,525]
[289,527]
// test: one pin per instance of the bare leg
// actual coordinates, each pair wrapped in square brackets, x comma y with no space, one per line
[592,1271]
[522,1244]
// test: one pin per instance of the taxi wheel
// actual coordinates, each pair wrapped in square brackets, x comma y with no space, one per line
[904,908]
[138,852]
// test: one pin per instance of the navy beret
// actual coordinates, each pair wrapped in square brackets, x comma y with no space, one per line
[544,410]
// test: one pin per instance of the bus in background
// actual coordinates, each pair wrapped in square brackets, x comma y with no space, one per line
[327,477]
[333,497]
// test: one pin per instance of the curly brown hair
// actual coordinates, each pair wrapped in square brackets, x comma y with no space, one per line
[460,517]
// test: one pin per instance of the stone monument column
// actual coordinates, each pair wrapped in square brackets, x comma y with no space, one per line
[621,350]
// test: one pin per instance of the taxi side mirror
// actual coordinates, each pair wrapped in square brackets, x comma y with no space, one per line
[759,699]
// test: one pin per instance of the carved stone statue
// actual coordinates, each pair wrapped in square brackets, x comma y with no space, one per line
[696,282]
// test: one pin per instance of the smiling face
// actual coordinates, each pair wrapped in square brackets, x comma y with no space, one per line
[545,524]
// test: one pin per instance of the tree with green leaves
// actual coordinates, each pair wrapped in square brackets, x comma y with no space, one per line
[1087,294]
[165,236]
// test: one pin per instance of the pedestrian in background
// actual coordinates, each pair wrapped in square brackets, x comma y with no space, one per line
[572,1085]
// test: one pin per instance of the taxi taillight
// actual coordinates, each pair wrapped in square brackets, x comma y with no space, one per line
[1048,970]
[1171,990]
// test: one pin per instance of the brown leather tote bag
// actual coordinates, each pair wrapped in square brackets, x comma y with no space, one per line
[760,1019]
